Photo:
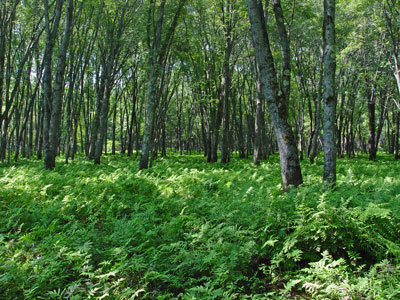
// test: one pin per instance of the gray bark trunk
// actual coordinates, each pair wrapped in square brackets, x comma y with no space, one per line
[158,50]
[371,123]
[382,116]
[101,137]
[96,119]
[56,106]
[314,141]
[329,94]
[226,83]
[285,48]
[228,21]
[49,161]
[277,106]
[147,142]
[258,128]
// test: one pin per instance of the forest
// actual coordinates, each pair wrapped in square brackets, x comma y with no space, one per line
[200,149]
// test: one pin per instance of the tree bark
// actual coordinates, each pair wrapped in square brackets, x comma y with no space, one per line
[149,118]
[277,105]
[314,141]
[48,138]
[371,123]
[397,134]
[228,21]
[329,94]
[258,127]
[158,51]
[226,84]
[383,112]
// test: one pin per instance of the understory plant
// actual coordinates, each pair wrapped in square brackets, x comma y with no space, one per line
[190,230]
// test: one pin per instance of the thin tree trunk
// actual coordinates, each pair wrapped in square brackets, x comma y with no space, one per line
[147,143]
[381,121]
[314,141]
[102,131]
[226,87]
[258,127]
[396,139]
[114,128]
[371,123]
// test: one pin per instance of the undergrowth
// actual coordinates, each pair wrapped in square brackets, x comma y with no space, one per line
[190,230]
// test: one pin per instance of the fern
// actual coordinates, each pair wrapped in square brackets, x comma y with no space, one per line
[189,230]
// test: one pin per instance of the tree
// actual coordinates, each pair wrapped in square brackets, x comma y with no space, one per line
[329,122]
[391,11]
[112,62]
[159,41]
[275,98]
[53,98]
[229,18]
[17,45]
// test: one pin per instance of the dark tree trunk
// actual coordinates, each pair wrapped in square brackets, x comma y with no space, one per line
[101,139]
[91,145]
[114,129]
[383,112]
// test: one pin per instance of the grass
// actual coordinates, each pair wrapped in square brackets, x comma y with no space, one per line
[190,230]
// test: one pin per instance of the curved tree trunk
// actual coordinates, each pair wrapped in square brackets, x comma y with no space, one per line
[276,102]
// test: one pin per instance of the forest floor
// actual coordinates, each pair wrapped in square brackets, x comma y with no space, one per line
[190,230]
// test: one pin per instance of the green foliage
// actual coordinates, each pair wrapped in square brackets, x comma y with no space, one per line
[190,230]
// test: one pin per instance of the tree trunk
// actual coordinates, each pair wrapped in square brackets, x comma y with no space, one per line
[158,51]
[258,127]
[131,127]
[383,112]
[114,128]
[96,119]
[147,143]
[314,141]
[329,94]
[69,115]
[226,85]
[48,129]
[396,139]
[56,109]
[239,126]
[371,123]
[340,118]
[101,139]
[277,105]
